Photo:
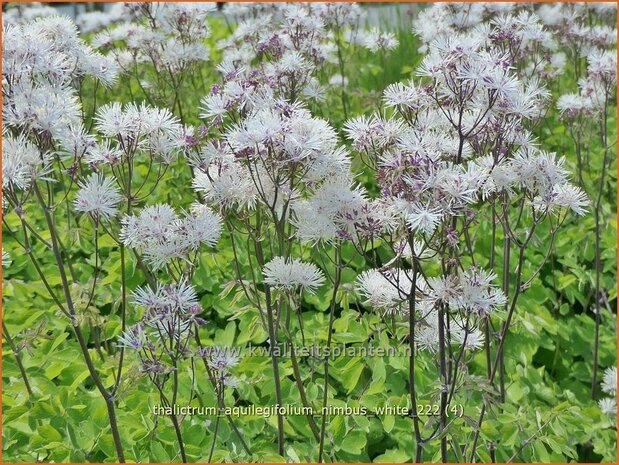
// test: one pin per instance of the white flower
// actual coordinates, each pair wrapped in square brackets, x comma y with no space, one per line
[478,293]
[180,296]
[312,225]
[166,324]
[152,224]
[472,291]
[375,40]
[572,197]
[104,153]
[214,105]
[112,121]
[609,382]
[202,226]
[401,95]
[314,91]
[292,274]
[159,254]
[474,339]
[373,133]
[163,236]
[226,184]
[423,218]
[444,289]
[337,80]
[385,290]
[603,65]
[608,406]
[335,210]
[133,338]
[538,171]
[98,196]
[572,104]
[134,122]
[562,196]
[21,162]
[558,60]
[221,359]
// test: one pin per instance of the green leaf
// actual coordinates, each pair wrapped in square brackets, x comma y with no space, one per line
[393,456]
[158,453]
[49,433]
[352,375]
[541,452]
[353,442]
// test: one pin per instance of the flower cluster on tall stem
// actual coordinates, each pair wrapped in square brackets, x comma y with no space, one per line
[455,149]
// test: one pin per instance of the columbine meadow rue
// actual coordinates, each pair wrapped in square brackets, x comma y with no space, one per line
[276,173]
[162,236]
[162,44]
[98,196]
[95,21]
[456,148]
[385,290]
[293,274]
[586,115]
[167,338]
[608,405]
[452,153]
[163,338]
[273,158]
[22,163]
[291,44]
[45,64]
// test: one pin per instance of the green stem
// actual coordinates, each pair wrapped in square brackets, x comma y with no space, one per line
[325,397]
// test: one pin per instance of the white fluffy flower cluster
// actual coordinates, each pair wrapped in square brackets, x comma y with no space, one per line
[289,38]
[531,32]
[221,360]
[130,128]
[50,49]
[378,41]
[388,291]
[98,196]
[42,60]
[162,235]
[460,334]
[19,13]
[283,158]
[608,405]
[168,36]
[454,141]
[292,275]
[166,297]
[290,41]
[271,156]
[21,163]
[594,89]
[164,331]
[335,210]
[432,157]
[507,24]
[94,21]
[472,291]
[385,290]
[539,174]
